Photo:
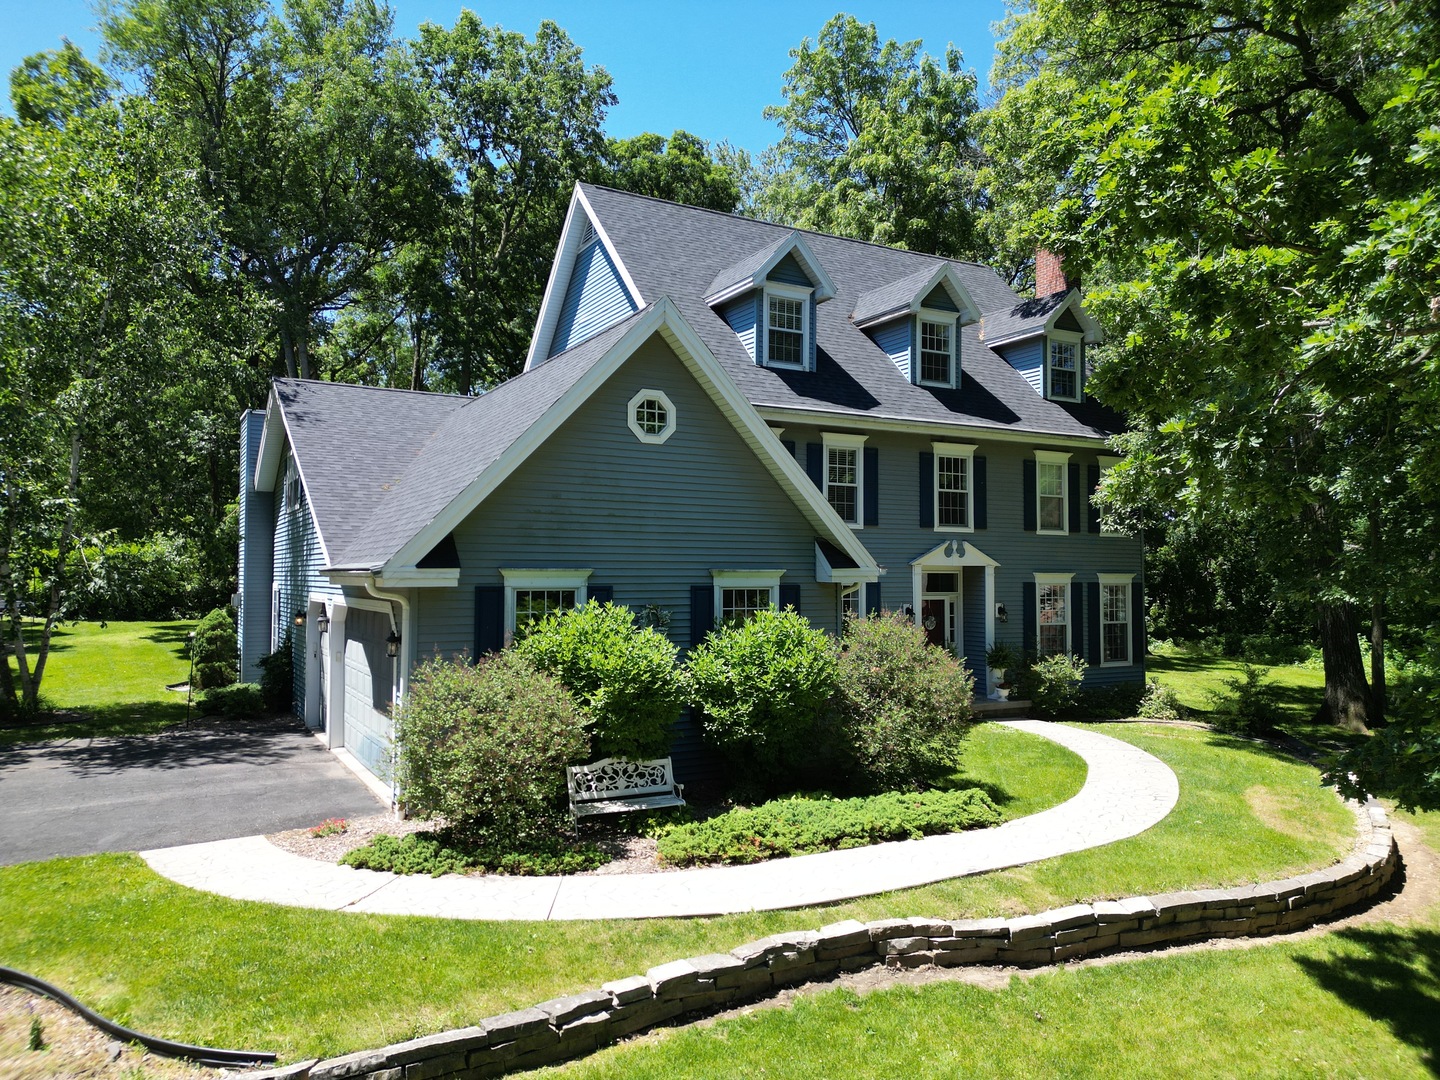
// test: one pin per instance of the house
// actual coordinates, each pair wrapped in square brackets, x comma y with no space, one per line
[715,415]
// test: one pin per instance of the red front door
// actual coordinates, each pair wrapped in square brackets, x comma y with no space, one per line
[932,618]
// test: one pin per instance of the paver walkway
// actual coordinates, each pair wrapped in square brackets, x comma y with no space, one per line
[1126,791]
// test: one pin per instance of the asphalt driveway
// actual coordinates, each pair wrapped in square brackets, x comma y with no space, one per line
[84,796]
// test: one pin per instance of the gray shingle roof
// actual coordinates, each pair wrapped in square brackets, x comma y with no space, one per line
[1026,319]
[894,297]
[745,269]
[678,251]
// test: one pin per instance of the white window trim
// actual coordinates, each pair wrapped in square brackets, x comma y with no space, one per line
[1069,337]
[955,450]
[746,579]
[789,292]
[951,319]
[1128,580]
[845,442]
[1054,457]
[1057,579]
[640,433]
[1106,464]
[531,578]
[856,590]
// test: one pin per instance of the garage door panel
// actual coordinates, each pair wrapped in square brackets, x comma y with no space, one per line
[368,682]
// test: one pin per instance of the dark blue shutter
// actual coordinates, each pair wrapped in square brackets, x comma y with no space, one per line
[982,518]
[1074,481]
[810,360]
[872,598]
[1137,622]
[1028,494]
[1093,589]
[872,486]
[790,595]
[762,334]
[789,444]
[489,618]
[815,463]
[600,594]
[1093,511]
[1027,617]
[702,612]
[927,490]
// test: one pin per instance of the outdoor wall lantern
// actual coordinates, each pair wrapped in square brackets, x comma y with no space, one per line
[392,644]
[1001,613]
[299,618]
[322,622]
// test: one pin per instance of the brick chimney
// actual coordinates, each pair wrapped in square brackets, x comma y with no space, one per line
[1050,276]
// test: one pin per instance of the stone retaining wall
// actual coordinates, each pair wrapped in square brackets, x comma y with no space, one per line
[576,1025]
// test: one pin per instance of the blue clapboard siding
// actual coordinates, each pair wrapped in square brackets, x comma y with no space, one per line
[972,622]
[789,271]
[594,299]
[894,339]
[257,546]
[1028,358]
[297,563]
[899,538]
[650,521]
[939,299]
[743,315]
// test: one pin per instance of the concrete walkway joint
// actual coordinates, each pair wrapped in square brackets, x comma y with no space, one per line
[1126,792]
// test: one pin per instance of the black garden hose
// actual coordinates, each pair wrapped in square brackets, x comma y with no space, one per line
[201,1055]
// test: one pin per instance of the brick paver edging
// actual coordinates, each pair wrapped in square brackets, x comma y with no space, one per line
[576,1025]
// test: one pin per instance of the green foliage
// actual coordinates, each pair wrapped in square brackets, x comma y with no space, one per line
[624,675]
[215,651]
[1161,703]
[680,169]
[1118,702]
[37,1035]
[901,707]
[801,825]
[1002,656]
[1251,705]
[1052,684]
[485,746]
[444,853]
[157,578]
[763,685]
[277,676]
[237,701]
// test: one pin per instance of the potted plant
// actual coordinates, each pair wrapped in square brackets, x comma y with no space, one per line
[999,658]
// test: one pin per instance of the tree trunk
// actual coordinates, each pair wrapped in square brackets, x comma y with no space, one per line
[1377,664]
[1347,698]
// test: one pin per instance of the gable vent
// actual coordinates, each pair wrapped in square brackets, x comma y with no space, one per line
[588,234]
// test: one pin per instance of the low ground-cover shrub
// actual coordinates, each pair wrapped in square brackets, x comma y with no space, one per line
[238,701]
[444,853]
[623,674]
[801,825]
[901,706]
[1252,704]
[485,746]
[1052,684]
[1160,703]
[215,651]
[763,686]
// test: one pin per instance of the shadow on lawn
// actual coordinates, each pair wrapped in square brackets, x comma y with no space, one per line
[1396,981]
[173,633]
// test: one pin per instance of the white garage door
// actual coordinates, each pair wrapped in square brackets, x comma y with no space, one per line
[368,689]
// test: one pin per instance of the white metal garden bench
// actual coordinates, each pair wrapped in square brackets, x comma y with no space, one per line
[616,786]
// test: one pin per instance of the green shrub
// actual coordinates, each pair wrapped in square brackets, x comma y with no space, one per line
[763,686]
[215,651]
[443,853]
[1252,704]
[901,707]
[1052,685]
[1118,702]
[485,747]
[1160,703]
[623,674]
[238,701]
[160,577]
[277,677]
[803,824]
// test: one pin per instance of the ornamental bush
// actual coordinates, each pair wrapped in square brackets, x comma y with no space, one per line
[1052,684]
[277,676]
[763,686]
[215,651]
[238,701]
[901,707]
[805,824]
[485,746]
[623,674]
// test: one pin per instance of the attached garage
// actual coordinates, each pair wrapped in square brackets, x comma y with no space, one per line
[369,689]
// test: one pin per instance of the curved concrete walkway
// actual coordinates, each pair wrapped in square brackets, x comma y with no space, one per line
[1126,791]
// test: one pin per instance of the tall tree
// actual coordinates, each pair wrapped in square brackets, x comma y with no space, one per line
[515,123]
[1213,165]
[680,169]
[877,143]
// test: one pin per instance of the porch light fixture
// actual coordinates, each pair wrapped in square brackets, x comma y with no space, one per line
[392,645]
[299,618]
[1001,614]
[322,622]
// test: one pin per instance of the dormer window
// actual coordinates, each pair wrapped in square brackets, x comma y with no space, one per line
[937,351]
[786,326]
[1062,369]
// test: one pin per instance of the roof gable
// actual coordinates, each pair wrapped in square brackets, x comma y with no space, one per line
[751,271]
[910,293]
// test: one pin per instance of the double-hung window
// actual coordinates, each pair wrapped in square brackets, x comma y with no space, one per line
[1063,366]
[954,486]
[1115,616]
[845,475]
[1052,495]
[1052,613]
[533,595]
[937,351]
[787,326]
[739,594]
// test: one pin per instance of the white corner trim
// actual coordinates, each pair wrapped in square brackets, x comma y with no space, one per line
[620,266]
[309,502]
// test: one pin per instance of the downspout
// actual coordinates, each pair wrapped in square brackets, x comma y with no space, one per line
[403,661]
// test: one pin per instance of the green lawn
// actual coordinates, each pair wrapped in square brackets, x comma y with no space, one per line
[110,680]
[191,966]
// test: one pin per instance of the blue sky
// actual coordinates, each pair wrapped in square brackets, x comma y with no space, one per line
[707,68]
